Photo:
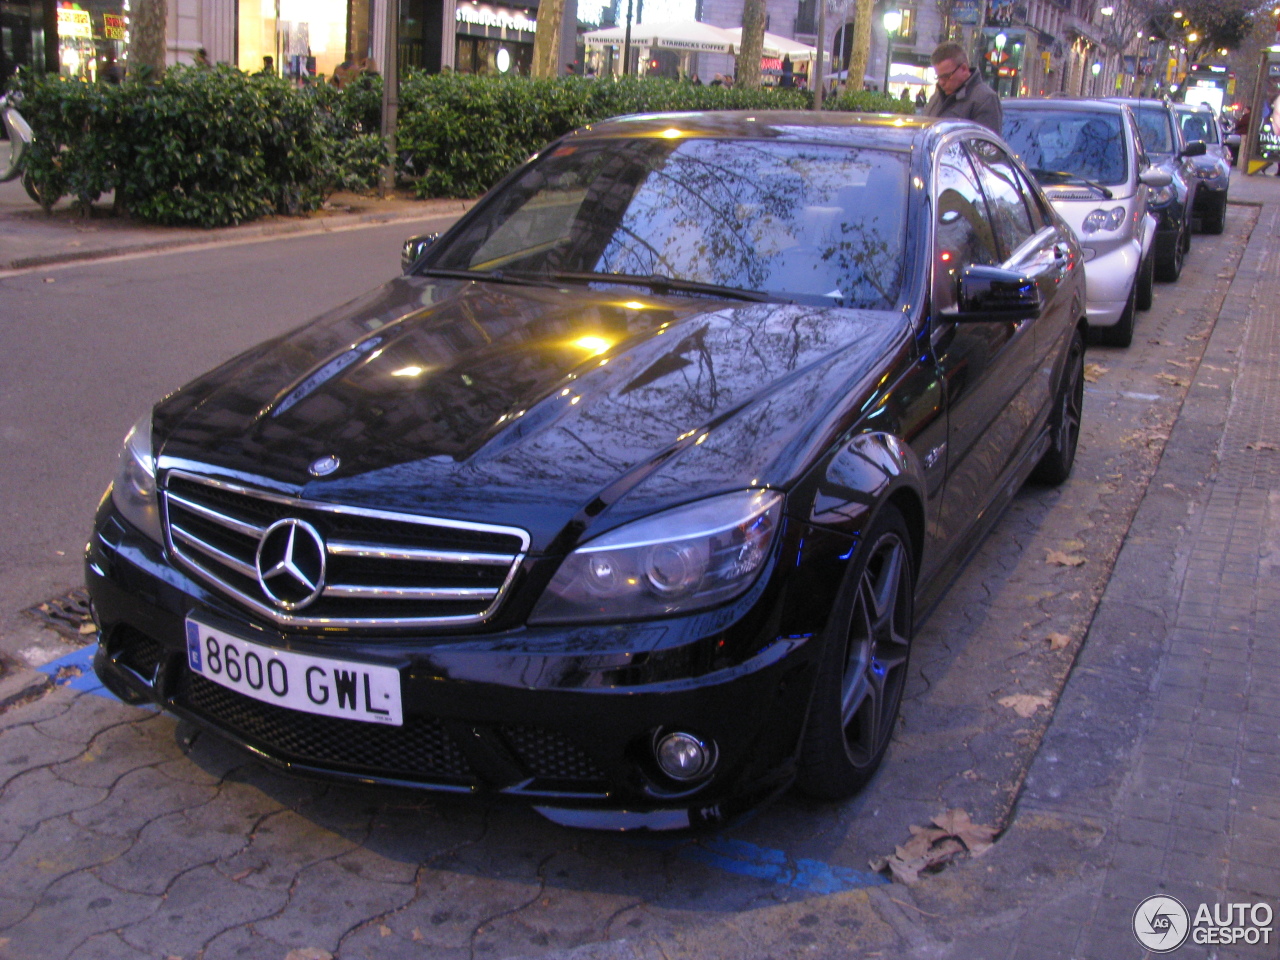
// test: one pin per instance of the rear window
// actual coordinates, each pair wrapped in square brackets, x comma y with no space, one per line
[1082,143]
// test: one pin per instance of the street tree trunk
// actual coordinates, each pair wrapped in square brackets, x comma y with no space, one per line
[861,54]
[752,46]
[546,41]
[147,38]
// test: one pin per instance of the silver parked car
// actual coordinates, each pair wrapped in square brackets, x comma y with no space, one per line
[1088,157]
[1213,170]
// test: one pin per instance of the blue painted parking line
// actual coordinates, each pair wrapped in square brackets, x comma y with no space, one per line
[763,863]
[75,670]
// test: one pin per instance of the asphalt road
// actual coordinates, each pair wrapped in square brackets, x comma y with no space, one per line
[192,849]
[87,348]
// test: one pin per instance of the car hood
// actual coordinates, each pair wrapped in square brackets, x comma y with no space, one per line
[531,405]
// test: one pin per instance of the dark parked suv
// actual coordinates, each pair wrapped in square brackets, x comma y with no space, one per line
[623,502]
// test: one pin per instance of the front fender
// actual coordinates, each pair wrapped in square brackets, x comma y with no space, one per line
[861,475]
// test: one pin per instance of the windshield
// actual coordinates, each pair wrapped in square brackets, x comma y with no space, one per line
[1154,129]
[1198,125]
[804,222]
[1084,143]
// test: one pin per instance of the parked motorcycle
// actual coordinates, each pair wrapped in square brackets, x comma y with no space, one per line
[17,135]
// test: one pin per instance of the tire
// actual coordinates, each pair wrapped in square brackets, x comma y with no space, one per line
[1169,269]
[1145,293]
[1216,222]
[1064,423]
[1121,334]
[29,185]
[864,666]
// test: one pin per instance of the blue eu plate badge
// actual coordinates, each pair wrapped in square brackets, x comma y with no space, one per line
[193,646]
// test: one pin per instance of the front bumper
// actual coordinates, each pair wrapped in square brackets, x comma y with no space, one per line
[562,718]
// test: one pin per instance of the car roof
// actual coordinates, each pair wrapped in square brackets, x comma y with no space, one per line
[1062,103]
[1192,107]
[883,131]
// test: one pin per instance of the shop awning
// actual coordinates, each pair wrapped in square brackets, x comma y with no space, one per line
[776,46]
[671,35]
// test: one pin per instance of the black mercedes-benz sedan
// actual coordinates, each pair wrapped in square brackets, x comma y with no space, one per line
[624,500]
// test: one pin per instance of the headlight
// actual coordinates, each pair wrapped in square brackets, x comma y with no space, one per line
[685,559]
[1104,220]
[134,489]
[1162,196]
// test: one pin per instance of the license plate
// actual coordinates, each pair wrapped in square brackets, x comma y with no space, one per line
[332,688]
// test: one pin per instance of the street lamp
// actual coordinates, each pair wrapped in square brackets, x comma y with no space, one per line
[1095,70]
[892,23]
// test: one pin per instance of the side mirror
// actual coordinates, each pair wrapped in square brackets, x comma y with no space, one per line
[1155,178]
[414,248]
[996,294]
[1196,148]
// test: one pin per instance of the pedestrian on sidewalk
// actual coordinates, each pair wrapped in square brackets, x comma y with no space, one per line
[961,92]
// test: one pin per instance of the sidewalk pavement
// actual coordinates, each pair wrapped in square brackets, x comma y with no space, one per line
[30,238]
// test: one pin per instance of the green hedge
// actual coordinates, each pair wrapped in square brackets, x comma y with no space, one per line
[212,147]
[206,147]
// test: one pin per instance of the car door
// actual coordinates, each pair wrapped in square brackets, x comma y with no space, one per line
[1035,245]
[984,366]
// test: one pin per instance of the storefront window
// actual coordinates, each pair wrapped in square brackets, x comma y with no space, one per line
[307,40]
[91,39]
[23,35]
[494,39]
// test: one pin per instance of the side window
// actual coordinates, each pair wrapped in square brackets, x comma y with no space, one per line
[962,232]
[1005,196]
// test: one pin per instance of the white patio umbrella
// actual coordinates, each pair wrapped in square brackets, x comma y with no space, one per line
[687,35]
[776,46]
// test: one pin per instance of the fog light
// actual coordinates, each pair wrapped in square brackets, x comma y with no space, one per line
[682,756]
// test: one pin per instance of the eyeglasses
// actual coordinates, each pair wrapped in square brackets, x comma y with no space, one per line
[943,77]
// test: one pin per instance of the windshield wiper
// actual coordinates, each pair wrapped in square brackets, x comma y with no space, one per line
[1065,177]
[493,276]
[659,283]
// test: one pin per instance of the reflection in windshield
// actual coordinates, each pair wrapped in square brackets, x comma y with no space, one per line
[807,222]
[1084,143]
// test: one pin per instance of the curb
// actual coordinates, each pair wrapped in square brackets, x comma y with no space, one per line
[308,227]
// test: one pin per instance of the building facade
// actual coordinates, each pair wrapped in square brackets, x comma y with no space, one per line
[296,38]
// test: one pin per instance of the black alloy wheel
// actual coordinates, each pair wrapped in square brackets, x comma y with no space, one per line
[1064,426]
[1146,276]
[864,666]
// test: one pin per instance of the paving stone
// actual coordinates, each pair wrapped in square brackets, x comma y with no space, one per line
[71,909]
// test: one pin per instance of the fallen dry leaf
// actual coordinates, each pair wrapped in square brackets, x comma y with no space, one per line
[1060,559]
[1173,381]
[417,934]
[1180,363]
[241,875]
[1024,704]
[384,930]
[309,953]
[1179,311]
[1094,371]
[1058,640]
[1196,336]
[1261,445]
[976,837]
[87,628]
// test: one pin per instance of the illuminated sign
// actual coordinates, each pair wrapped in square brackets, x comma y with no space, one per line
[74,23]
[502,17]
[112,26]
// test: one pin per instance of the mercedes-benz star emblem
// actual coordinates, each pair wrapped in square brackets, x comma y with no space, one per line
[290,563]
[324,466]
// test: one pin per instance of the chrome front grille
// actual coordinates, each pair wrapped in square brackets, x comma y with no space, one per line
[379,569]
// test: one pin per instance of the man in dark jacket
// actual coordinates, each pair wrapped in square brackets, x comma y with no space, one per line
[961,92]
